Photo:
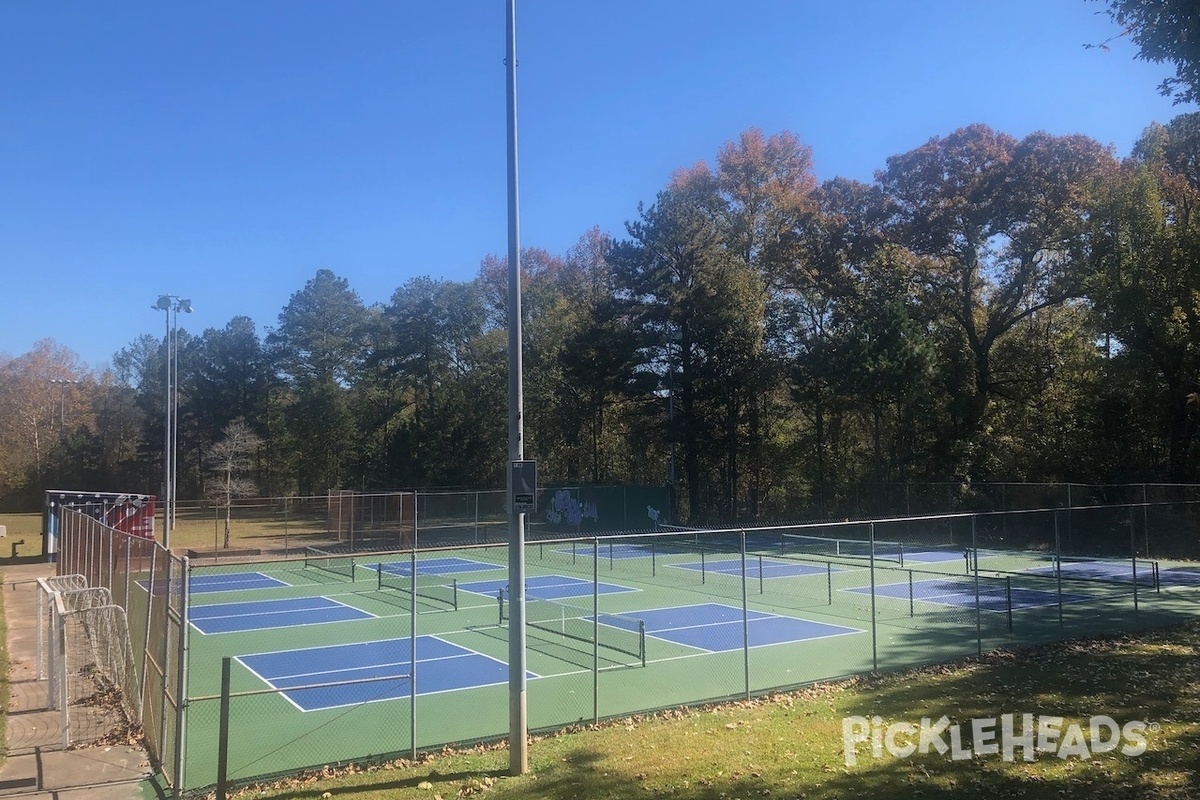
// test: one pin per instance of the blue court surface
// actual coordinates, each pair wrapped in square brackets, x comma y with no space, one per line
[1110,571]
[771,568]
[264,614]
[960,593]
[440,667]
[545,587]
[1178,576]
[433,566]
[232,582]
[224,582]
[717,628]
[617,550]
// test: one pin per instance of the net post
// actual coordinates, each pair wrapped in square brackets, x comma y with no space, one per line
[761,580]
[703,571]
[829,581]
[900,551]
[653,561]
[379,577]
[500,605]
[223,732]
[610,555]
[1157,583]
[454,592]
[1008,600]
[642,640]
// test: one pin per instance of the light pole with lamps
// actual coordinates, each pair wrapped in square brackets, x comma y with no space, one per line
[171,304]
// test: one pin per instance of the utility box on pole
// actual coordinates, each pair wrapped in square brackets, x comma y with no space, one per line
[524,487]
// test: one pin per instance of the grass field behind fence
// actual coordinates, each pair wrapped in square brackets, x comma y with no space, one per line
[24,533]
[269,734]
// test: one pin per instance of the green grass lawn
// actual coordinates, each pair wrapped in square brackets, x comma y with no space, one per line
[205,530]
[791,745]
[22,526]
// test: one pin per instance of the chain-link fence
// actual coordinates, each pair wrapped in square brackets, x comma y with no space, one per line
[349,656]
[380,521]
[346,520]
[149,585]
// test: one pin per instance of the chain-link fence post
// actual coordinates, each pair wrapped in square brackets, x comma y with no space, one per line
[978,608]
[223,732]
[745,615]
[874,616]
[595,629]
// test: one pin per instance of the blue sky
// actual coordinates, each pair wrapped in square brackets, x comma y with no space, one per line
[225,151]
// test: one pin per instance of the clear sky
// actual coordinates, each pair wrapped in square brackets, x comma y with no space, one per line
[225,151]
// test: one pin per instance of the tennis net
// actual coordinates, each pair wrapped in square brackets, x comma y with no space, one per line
[428,587]
[332,563]
[616,632]
[798,544]
[1143,572]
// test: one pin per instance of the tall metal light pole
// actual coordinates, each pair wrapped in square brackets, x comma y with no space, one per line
[172,305]
[674,337]
[62,404]
[518,722]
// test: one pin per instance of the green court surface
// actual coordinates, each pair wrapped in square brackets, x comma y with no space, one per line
[679,623]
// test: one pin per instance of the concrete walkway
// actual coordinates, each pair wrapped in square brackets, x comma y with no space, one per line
[36,765]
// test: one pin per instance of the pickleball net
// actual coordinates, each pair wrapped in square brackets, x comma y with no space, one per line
[343,566]
[436,588]
[615,632]
[800,544]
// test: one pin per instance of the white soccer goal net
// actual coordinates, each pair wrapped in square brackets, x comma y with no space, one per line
[85,654]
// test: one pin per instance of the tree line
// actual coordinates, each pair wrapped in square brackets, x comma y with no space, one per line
[987,308]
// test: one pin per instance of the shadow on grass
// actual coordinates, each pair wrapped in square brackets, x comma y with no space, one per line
[384,784]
